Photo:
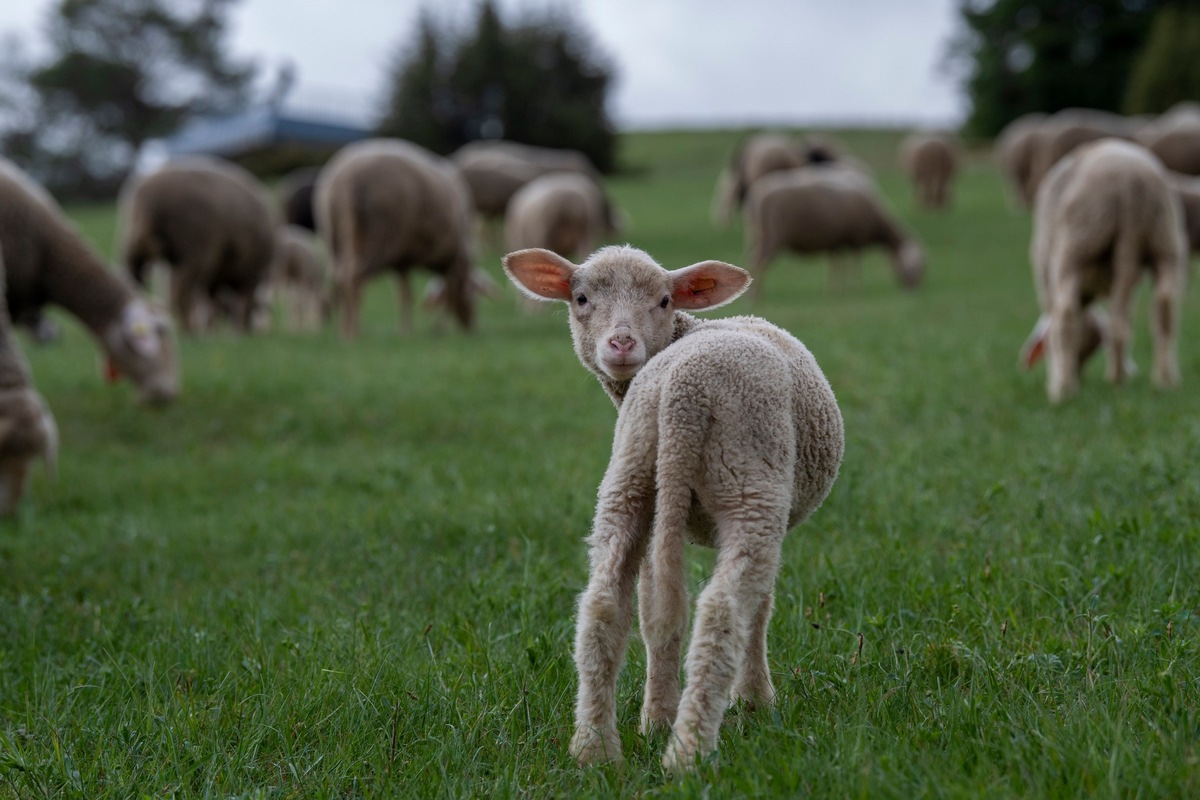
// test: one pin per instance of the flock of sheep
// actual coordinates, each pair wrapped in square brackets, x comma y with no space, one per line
[727,434]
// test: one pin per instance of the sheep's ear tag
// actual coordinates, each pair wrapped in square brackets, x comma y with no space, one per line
[708,285]
[1035,345]
[112,373]
[139,332]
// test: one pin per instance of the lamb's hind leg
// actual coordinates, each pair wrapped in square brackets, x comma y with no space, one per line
[618,542]
[1164,320]
[747,564]
[663,611]
[753,685]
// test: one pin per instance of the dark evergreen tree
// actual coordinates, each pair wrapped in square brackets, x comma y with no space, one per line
[1018,56]
[539,81]
[1168,70]
[118,73]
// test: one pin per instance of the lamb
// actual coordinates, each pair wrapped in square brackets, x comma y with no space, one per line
[727,434]
[390,204]
[27,428]
[762,154]
[212,223]
[563,212]
[826,210]
[299,272]
[48,262]
[931,161]
[1103,215]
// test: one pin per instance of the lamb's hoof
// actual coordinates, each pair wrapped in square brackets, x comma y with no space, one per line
[681,756]
[589,746]
[656,721]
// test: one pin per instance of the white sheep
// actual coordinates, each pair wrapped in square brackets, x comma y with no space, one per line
[727,435]
[1101,216]
[563,212]
[931,161]
[27,428]
[391,205]
[1187,189]
[1013,150]
[47,261]
[300,274]
[829,209]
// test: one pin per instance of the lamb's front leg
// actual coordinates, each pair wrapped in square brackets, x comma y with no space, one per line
[753,685]
[618,542]
[662,612]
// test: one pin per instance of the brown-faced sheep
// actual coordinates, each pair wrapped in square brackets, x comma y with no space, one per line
[388,204]
[1103,216]
[1175,138]
[211,222]
[727,435]
[27,429]
[563,212]
[47,262]
[826,210]
[931,162]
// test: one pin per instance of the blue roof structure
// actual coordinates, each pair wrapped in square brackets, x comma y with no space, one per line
[231,135]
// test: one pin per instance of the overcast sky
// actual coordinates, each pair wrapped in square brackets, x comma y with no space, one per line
[689,62]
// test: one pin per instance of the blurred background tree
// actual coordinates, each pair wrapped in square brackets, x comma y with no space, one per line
[116,73]
[539,81]
[1018,56]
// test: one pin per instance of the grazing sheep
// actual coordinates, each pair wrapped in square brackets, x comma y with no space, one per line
[1068,129]
[388,204]
[495,169]
[1175,138]
[931,161]
[826,210]
[300,274]
[27,428]
[48,262]
[1101,217]
[1014,149]
[727,435]
[212,223]
[563,212]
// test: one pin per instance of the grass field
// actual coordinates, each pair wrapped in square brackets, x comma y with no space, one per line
[349,570]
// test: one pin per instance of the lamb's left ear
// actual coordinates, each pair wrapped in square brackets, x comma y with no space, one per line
[707,285]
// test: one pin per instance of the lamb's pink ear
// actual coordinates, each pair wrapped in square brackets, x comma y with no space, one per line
[707,285]
[1035,346]
[541,274]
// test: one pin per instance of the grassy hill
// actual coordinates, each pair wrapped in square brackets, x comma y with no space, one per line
[349,569]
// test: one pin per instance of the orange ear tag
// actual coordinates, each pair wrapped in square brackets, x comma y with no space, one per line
[112,373]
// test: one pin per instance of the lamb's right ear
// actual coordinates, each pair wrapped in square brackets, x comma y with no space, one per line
[541,274]
[707,285]
[1035,345]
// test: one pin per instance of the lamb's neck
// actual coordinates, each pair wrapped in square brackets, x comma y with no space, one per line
[76,279]
[684,324]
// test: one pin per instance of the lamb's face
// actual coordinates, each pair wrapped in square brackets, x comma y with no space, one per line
[141,345]
[622,313]
[622,302]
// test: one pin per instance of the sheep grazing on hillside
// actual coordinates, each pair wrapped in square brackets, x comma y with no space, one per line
[388,204]
[1175,138]
[727,435]
[563,212]
[48,262]
[826,210]
[495,169]
[931,162]
[27,428]
[762,154]
[1101,217]
[300,275]
[211,222]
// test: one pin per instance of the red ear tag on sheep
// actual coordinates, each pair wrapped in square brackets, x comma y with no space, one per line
[1035,345]
[112,373]
[1034,353]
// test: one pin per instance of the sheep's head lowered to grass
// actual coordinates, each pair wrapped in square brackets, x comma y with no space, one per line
[622,303]
[141,345]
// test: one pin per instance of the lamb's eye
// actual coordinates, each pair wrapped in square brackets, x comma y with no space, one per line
[581,300]
[666,299]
